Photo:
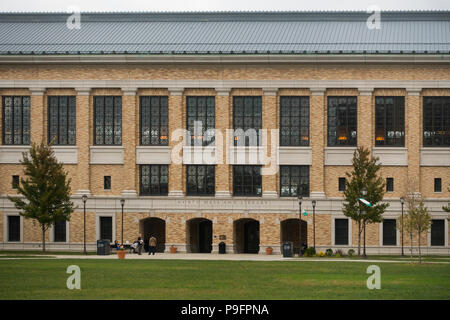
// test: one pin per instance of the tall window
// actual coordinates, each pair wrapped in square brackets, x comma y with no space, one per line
[106,227]
[341,184]
[342,123]
[437,185]
[294,121]
[200,120]
[389,232]
[341,232]
[436,121]
[154,180]
[200,180]
[154,120]
[437,232]
[294,179]
[389,184]
[59,230]
[247,180]
[61,120]
[247,120]
[108,120]
[13,228]
[390,121]
[16,120]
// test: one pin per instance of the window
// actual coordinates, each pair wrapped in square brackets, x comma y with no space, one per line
[108,120]
[106,228]
[247,180]
[294,121]
[59,230]
[154,180]
[200,180]
[389,184]
[13,228]
[16,120]
[247,120]
[342,123]
[437,185]
[15,182]
[154,120]
[293,179]
[61,120]
[437,233]
[107,182]
[436,121]
[389,232]
[342,184]
[390,121]
[200,120]
[341,231]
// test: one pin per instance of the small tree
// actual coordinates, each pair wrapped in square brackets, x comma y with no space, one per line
[364,175]
[46,189]
[407,227]
[421,222]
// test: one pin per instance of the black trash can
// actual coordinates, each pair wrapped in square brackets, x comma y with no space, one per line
[222,248]
[288,249]
[103,248]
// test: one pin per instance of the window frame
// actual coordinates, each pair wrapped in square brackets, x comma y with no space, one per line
[68,120]
[301,107]
[14,183]
[191,140]
[101,228]
[340,179]
[336,228]
[349,106]
[254,118]
[57,228]
[163,102]
[206,181]
[433,234]
[389,182]
[301,170]
[398,121]
[24,123]
[19,227]
[162,190]
[254,185]
[392,240]
[96,112]
[106,180]
[444,102]
[440,185]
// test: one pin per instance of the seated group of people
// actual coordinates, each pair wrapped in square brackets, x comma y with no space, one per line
[136,246]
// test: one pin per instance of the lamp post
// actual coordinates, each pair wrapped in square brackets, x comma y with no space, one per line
[84,199]
[122,203]
[314,222]
[364,193]
[402,201]
[300,223]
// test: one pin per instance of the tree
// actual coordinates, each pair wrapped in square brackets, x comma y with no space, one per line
[412,200]
[45,192]
[364,176]
[447,208]
[421,222]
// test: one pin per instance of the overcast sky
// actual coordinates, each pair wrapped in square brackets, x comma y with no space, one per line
[219,5]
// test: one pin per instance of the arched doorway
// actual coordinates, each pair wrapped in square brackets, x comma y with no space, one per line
[246,235]
[154,227]
[199,235]
[294,230]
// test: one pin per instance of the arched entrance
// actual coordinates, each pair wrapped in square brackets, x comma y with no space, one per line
[154,227]
[294,230]
[199,235]
[246,235]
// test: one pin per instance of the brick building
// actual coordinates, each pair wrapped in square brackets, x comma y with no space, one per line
[210,124]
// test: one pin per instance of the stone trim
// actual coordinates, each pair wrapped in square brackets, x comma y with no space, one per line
[339,156]
[391,156]
[225,92]
[66,154]
[106,155]
[294,156]
[12,154]
[435,157]
[153,155]
[37,91]
[83,91]
[97,224]
[333,230]
[51,234]
[365,91]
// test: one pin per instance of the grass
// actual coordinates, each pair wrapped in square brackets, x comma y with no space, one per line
[194,279]
[40,252]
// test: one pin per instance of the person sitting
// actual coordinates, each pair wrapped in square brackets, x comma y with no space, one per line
[116,244]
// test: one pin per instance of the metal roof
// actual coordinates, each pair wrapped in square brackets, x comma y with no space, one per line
[425,32]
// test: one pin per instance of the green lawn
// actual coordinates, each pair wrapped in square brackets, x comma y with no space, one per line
[194,279]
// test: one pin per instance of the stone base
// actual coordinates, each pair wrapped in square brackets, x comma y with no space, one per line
[270,194]
[317,195]
[80,193]
[223,194]
[176,193]
[129,193]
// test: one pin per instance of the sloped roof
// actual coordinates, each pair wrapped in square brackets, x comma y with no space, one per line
[420,32]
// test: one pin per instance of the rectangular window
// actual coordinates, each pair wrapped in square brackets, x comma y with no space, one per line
[16,120]
[437,185]
[436,121]
[342,184]
[389,232]
[13,228]
[437,232]
[108,120]
[247,120]
[342,121]
[154,180]
[294,121]
[247,181]
[389,184]
[59,231]
[107,182]
[154,120]
[200,180]
[15,182]
[62,120]
[341,231]
[106,228]
[293,179]
[200,120]
[390,121]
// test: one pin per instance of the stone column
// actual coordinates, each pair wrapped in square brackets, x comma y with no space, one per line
[83,131]
[223,169]
[129,111]
[413,132]
[175,123]
[269,122]
[37,115]
[365,131]
[317,138]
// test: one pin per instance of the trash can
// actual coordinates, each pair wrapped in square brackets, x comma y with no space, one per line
[222,248]
[288,249]
[103,248]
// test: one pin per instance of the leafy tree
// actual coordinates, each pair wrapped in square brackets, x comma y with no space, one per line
[447,208]
[364,175]
[412,200]
[45,192]
[421,222]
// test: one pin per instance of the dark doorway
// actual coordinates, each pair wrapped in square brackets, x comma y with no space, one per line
[154,227]
[199,235]
[246,236]
[294,230]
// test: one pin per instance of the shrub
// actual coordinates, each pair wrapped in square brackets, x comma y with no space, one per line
[321,254]
[309,252]
[339,253]
[329,252]
[351,252]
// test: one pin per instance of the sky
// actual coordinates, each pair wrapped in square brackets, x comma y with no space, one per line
[217,5]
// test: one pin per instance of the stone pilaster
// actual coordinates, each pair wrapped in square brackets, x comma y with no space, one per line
[84,118]
[269,122]
[413,134]
[365,131]
[223,122]
[175,126]
[317,138]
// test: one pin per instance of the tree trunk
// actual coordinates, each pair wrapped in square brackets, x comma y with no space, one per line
[359,237]
[364,248]
[411,243]
[43,238]
[420,256]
